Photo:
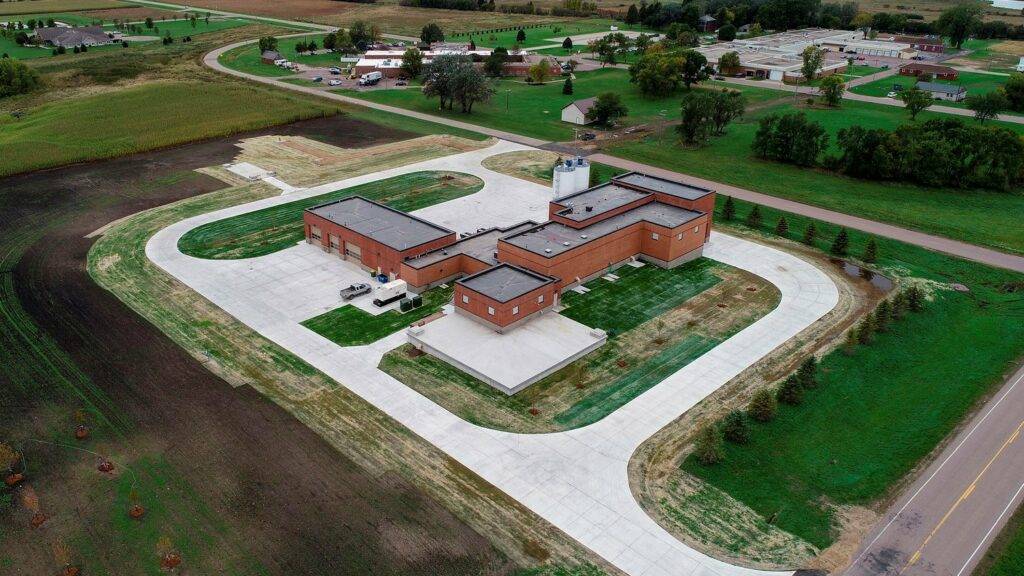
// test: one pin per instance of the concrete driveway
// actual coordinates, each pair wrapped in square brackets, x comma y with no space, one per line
[577,479]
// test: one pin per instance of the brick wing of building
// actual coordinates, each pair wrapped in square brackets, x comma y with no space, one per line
[503,276]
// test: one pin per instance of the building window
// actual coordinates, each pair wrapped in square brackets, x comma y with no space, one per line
[680,236]
[515,310]
[465,299]
[540,299]
[654,236]
[490,311]
[696,229]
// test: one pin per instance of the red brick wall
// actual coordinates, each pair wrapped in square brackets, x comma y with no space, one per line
[456,264]
[374,254]
[598,217]
[503,316]
[705,204]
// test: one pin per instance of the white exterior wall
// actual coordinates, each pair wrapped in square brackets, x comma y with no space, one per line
[572,115]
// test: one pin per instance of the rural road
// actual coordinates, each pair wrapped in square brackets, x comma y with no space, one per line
[932,242]
[947,519]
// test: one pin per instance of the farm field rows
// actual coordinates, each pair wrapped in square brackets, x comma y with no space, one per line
[947,212]
[46,6]
[271,229]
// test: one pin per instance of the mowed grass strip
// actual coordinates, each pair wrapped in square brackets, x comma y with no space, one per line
[271,229]
[879,412]
[638,295]
[351,326]
[947,212]
[976,83]
[144,117]
[1006,555]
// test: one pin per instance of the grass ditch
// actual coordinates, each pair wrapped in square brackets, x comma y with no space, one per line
[278,227]
[880,412]
[663,332]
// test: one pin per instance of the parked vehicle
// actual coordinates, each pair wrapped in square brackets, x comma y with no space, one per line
[370,78]
[588,136]
[334,82]
[334,70]
[719,77]
[354,290]
[390,292]
[893,94]
[318,79]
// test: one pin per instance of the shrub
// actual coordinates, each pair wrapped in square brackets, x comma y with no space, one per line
[915,299]
[871,252]
[729,209]
[782,227]
[736,428]
[763,406]
[709,449]
[754,219]
[810,233]
[807,374]
[841,245]
[866,330]
[791,392]
[567,87]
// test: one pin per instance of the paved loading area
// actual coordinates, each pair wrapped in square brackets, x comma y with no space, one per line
[577,480]
[510,361]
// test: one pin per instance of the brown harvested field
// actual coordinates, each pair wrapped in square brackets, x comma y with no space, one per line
[389,16]
[133,14]
[44,6]
[532,165]
[231,480]
[707,518]
[930,9]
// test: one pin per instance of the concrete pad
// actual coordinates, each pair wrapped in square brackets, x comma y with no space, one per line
[510,361]
[248,170]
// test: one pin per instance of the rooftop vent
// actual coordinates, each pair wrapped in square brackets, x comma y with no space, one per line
[584,236]
[547,250]
[590,208]
[565,243]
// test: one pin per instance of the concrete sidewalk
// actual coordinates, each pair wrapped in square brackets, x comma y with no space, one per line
[577,480]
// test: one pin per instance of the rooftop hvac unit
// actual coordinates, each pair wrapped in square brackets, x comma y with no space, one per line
[589,208]
[565,243]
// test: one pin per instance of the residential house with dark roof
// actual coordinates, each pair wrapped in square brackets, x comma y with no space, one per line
[939,91]
[71,37]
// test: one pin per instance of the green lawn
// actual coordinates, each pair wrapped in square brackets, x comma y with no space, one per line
[947,212]
[278,227]
[247,58]
[878,412]
[976,83]
[536,110]
[637,296]
[540,36]
[351,326]
[144,117]
[182,28]
[1006,555]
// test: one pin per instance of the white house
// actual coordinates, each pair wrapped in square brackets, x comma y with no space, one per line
[576,112]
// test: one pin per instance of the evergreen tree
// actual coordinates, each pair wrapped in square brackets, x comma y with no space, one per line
[810,234]
[850,344]
[791,392]
[729,210]
[754,219]
[567,43]
[709,449]
[632,15]
[763,406]
[595,176]
[807,374]
[736,428]
[567,87]
[866,330]
[915,299]
[871,252]
[521,36]
[899,305]
[841,245]
[883,315]
[782,228]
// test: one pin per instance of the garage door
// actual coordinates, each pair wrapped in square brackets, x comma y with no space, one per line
[335,244]
[353,252]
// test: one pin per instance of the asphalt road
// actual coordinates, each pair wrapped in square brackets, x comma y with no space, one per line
[945,521]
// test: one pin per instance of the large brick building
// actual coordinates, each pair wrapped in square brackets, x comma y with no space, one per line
[505,275]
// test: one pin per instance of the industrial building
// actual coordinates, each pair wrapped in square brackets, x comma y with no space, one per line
[389,62]
[503,276]
[778,56]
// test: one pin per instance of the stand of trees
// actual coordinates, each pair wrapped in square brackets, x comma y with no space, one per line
[706,113]
[16,78]
[454,79]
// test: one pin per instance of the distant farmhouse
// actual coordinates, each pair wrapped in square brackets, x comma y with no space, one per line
[943,91]
[71,37]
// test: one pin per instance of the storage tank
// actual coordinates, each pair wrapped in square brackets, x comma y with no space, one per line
[581,170]
[563,181]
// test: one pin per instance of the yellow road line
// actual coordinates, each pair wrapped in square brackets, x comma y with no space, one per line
[963,496]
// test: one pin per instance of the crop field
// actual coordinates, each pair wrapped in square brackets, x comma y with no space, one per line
[946,212]
[857,434]
[351,326]
[129,120]
[182,28]
[539,36]
[247,58]
[712,302]
[271,229]
[45,6]
[535,111]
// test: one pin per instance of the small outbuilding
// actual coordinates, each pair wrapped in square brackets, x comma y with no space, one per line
[576,112]
[270,56]
[940,91]
[919,69]
[707,23]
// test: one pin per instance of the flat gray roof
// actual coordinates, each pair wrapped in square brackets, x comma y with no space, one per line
[552,238]
[662,185]
[600,199]
[480,246]
[504,282]
[390,227]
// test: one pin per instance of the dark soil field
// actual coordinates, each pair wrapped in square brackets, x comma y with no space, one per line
[230,481]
